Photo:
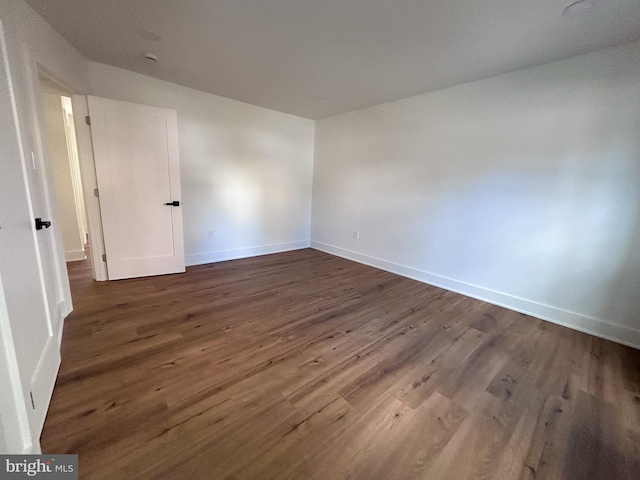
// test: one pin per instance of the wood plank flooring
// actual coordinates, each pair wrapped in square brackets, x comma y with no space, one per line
[302,365]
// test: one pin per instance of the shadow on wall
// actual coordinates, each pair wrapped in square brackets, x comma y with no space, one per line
[551,215]
[576,249]
[623,285]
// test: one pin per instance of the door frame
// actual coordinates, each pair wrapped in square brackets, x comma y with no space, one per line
[89,187]
[87,172]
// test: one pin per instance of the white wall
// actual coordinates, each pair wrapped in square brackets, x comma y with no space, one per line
[522,189]
[62,182]
[246,171]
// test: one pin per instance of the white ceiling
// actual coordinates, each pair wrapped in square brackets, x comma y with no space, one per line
[355,53]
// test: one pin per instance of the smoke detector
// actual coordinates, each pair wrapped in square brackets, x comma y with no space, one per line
[149,35]
[151,57]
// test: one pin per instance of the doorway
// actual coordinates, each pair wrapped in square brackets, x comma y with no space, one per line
[65,167]
[72,173]
[116,182]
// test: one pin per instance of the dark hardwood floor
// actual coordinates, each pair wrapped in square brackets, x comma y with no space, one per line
[302,365]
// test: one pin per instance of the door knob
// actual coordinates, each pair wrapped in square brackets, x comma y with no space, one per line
[40,224]
[175,203]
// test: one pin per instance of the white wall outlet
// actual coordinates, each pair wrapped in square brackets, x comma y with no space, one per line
[356,235]
[210,234]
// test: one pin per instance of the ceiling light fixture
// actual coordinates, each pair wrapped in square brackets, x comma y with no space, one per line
[319,97]
[152,58]
[578,8]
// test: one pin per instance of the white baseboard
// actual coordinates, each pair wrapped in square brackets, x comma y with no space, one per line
[594,326]
[74,255]
[221,256]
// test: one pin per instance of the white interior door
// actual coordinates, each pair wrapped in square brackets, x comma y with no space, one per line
[35,286]
[138,172]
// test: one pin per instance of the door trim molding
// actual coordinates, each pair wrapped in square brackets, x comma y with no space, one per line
[89,184]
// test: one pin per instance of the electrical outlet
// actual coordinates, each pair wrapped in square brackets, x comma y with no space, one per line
[356,235]
[210,233]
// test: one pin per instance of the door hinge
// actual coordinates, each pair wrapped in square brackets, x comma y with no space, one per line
[87,120]
[104,257]
[96,193]
[33,405]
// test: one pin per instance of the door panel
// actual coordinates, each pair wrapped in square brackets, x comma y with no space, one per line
[136,156]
